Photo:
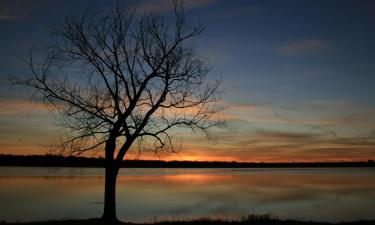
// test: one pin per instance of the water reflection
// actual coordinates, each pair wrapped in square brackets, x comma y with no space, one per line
[143,194]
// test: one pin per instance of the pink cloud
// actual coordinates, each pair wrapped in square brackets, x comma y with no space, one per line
[17,107]
[304,47]
[166,5]
[11,10]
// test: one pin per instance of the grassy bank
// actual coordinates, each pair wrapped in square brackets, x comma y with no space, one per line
[251,220]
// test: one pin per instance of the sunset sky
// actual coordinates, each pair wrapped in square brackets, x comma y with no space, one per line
[298,77]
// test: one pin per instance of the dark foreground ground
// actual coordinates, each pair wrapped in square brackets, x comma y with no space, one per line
[251,220]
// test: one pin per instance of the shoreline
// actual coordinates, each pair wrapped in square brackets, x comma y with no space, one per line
[85,162]
[251,220]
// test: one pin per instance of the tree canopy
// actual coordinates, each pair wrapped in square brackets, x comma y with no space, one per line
[124,76]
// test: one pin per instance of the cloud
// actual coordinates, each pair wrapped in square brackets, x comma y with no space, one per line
[20,149]
[12,10]
[237,11]
[265,145]
[286,136]
[21,107]
[166,5]
[327,113]
[305,47]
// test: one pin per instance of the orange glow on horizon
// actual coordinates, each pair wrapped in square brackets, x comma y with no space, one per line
[200,156]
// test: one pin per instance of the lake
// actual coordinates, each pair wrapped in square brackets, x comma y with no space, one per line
[321,194]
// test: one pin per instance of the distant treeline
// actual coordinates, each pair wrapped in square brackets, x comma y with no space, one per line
[71,161]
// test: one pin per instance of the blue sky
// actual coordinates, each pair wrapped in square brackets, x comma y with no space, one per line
[298,76]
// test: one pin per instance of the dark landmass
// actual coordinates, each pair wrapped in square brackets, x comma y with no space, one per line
[253,220]
[70,161]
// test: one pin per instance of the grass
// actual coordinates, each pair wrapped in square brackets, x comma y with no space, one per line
[250,219]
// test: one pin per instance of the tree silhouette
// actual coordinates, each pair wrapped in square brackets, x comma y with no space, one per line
[118,78]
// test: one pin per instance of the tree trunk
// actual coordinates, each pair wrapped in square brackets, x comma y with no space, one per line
[111,171]
[109,213]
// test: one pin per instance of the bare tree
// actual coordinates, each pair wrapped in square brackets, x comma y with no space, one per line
[118,78]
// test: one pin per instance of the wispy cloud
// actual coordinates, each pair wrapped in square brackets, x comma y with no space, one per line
[305,47]
[328,113]
[282,144]
[237,11]
[166,5]
[286,136]
[17,107]
[20,149]
[11,10]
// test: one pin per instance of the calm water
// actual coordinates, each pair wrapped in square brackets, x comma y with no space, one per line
[339,194]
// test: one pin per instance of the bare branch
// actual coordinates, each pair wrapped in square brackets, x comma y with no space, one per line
[115,77]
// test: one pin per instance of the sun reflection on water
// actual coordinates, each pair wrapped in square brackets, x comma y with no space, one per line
[146,194]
